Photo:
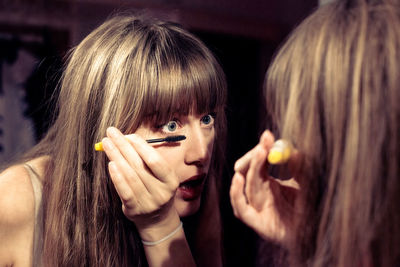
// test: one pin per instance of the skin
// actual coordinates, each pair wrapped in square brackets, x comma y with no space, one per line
[260,200]
[149,179]
[190,158]
[17,214]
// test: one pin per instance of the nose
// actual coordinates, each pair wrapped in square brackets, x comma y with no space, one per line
[198,147]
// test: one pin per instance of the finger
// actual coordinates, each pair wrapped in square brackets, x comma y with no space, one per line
[292,183]
[241,208]
[123,189]
[125,148]
[122,168]
[242,164]
[236,193]
[256,176]
[153,160]
[131,162]
[159,179]
[267,139]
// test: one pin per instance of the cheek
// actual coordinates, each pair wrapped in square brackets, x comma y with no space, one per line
[172,155]
[211,141]
[211,147]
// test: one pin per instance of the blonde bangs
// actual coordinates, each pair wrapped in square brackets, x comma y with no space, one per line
[165,81]
[178,90]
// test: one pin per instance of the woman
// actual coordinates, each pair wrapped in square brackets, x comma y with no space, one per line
[332,91]
[122,207]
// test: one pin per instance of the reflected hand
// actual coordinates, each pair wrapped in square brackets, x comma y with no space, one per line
[262,202]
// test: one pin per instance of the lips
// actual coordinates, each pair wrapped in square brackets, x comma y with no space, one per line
[192,188]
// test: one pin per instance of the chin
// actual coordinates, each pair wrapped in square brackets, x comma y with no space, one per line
[187,207]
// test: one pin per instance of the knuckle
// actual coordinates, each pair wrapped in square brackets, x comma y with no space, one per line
[128,212]
[174,184]
[164,198]
[152,162]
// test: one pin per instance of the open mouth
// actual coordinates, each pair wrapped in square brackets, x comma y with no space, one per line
[192,183]
[192,188]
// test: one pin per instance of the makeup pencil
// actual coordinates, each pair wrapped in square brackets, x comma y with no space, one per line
[280,152]
[169,139]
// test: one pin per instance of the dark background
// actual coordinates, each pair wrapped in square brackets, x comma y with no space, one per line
[243,34]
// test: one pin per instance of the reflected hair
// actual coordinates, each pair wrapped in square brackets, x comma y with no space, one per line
[333,90]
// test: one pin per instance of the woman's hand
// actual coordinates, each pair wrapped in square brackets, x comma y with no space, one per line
[262,202]
[145,184]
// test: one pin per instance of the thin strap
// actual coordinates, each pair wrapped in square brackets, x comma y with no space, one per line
[38,230]
[36,185]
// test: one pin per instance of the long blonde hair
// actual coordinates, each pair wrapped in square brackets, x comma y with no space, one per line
[333,90]
[128,70]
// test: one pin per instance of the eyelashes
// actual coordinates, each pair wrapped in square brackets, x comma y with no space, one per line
[175,124]
[170,127]
[208,119]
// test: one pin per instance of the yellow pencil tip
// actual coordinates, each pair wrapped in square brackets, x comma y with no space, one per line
[275,157]
[280,152]
[98,146]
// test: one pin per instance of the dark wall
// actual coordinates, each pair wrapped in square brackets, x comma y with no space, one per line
[244,61]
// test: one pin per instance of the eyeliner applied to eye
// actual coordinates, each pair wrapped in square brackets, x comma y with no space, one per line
[169,139]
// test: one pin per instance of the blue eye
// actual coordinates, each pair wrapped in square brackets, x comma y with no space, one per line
[170,126]
[207,119]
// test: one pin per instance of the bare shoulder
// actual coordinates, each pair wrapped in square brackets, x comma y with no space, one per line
[17,214]
[16,197]
[16,192]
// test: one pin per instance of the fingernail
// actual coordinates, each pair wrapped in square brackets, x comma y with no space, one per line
[112,132]
[107,144]
[112,166]
[236,166]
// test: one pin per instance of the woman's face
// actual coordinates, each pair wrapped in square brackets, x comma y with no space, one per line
[189,158]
